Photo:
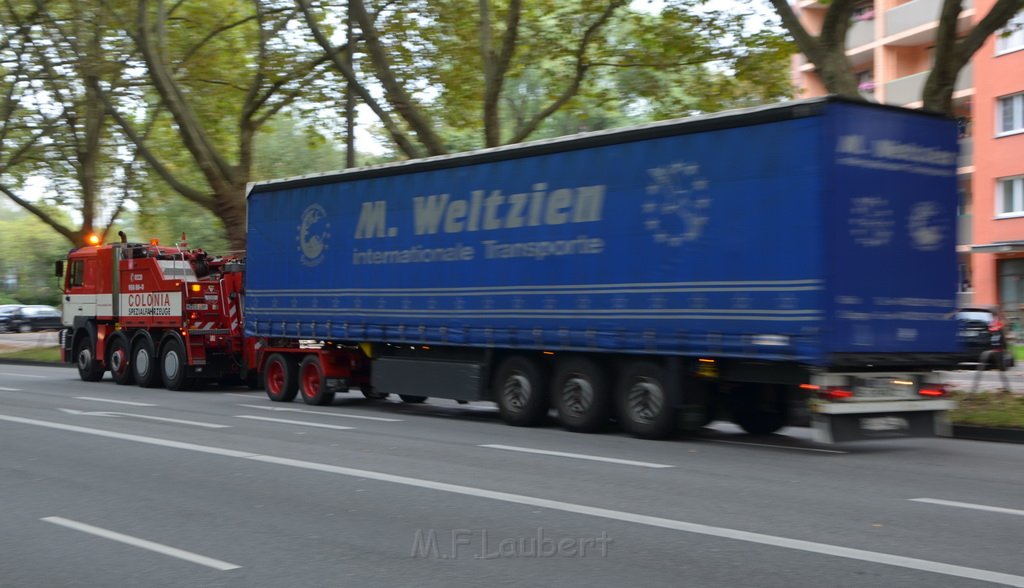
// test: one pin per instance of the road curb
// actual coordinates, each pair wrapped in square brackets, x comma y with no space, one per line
[988,434]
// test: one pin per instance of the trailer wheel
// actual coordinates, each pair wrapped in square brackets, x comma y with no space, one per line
[412,398]
[119,368]
[521,392]
[759,409]
[89,369]
[645,406]
[281,378]
[144,365]
[581,395]
[175,366]
[312,383]
[370,394]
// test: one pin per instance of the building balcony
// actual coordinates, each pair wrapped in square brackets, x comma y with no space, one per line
[907,90]
[964,230]
[966,156]
[918,13]
[860,33]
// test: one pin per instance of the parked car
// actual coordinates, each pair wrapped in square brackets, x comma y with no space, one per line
[27,318]
[10,317]
[982,329]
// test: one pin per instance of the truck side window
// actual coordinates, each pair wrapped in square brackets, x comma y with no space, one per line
[76,273]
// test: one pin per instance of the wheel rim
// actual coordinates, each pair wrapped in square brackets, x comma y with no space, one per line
[118,361]
[646,400]
[172,363]
[275,378]
[516,391]
[142,361]
[577,395]
[84,358]
[310,380]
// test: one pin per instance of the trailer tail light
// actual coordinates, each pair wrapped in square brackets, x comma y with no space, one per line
[933,391]
[197,288]
[829,392]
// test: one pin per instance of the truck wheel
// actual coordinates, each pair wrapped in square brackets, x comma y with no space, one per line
[759,409]
[144,365]
[119,368]
[412,398]
[581,395]
[281,378]
[521,392]
[89,369]
[312,383]
[175,366]
[645,406]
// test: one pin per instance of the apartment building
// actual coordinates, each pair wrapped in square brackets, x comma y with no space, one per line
[890,45]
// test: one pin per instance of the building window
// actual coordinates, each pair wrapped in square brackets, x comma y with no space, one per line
[1011,37]
[1010,114]
[1010,196]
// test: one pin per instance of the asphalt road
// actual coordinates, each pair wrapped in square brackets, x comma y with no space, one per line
[115,486]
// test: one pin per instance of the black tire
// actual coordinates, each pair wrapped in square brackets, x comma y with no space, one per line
[312,383]
[645,405]
[412,398]
[521,391]
[371,394]
[89,369]
[144,364]
[174,366]
[25,328]
[759,409]
[120,367]
[581,395]
[281,378]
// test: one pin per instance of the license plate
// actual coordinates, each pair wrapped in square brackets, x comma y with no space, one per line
[197,307]
[875,388]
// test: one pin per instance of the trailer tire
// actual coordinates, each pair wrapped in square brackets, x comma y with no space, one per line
[144,365]
[581,394]
[412,398]
[754,413]
[312,383]
[645,405]
[120,370]
[520,389]
[370,394]
[89,369]
[281,378]
[174,365]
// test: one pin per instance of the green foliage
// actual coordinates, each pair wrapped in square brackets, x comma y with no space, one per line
[28,250]
[990,409]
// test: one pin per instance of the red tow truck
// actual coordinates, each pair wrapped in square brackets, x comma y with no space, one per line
[171,316]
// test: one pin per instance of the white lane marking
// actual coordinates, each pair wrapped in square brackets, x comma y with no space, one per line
[640,519]
[322,413]
[23,375]
[775,446]
[10,389]
[291,422]
[113,401]
[143,416]
[250,395]
[642,464]
[969,505]
[143,544]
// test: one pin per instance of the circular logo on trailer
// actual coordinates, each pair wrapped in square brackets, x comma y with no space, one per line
[313,233]
[926,226]
[677,205]
[871,221]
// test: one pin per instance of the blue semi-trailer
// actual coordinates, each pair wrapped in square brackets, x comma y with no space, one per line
[783,264]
